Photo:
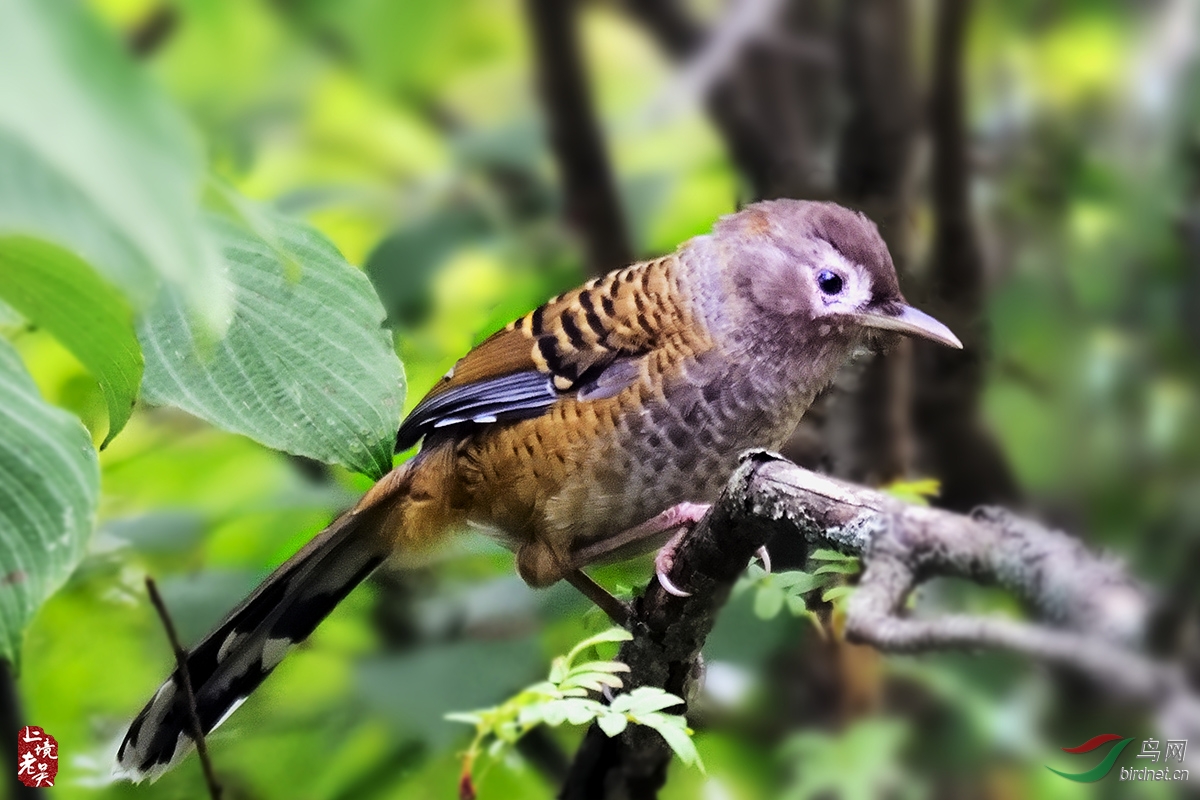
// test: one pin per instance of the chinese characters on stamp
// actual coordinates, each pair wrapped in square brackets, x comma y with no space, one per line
[37,757]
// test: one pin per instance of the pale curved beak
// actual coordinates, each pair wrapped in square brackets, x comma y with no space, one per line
[912,322]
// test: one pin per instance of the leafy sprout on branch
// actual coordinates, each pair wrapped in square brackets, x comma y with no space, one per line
[569,695]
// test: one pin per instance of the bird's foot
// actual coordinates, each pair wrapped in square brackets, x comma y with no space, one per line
[665,560]
[682,518]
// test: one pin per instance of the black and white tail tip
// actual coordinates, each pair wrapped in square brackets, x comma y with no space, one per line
[161,735]
[238,655]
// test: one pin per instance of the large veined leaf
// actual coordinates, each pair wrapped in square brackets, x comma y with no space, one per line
[49,486]
[95,158]
[63,294]
[305,366]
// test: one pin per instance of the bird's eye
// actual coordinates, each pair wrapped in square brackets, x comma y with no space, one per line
[829,282]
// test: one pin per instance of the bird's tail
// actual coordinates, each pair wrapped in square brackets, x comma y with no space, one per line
[240,653]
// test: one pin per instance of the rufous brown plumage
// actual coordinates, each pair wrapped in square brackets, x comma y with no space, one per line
[589,429]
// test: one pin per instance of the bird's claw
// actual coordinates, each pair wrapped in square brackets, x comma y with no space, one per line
[764,558]
[664,560]
[669,587]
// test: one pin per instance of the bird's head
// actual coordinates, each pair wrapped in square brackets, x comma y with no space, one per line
[818,269]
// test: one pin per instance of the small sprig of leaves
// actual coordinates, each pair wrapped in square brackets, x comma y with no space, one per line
[917,492]
[566,696]
[775,591]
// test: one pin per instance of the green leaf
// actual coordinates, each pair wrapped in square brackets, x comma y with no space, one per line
[49,487]
[305,366]
[469,717]
[610,635]
[591,680]
[836,593]
[796,582]
[553,713]
[680,742]
[645,700]
[768,601]
[612,724]
[918,492]
[528,715]
[95,158]
[581,711]
[558,670]
[600,666]
[838,568]
[57,291]
[829,555]
[797,605]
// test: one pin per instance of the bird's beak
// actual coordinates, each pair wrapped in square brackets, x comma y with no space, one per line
[912,322]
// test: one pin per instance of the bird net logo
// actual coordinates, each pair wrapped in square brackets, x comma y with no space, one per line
[1156,767]
[37,757]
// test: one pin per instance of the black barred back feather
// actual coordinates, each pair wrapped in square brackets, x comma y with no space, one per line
[577,345]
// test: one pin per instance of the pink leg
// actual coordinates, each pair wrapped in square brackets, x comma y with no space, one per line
[679,518]
[684,515]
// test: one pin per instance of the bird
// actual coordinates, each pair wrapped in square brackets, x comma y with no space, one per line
[591,429]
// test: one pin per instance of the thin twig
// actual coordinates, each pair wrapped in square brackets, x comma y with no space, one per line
[210,778]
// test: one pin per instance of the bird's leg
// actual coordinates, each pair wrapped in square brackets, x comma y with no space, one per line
[683,515]
[617,611]
[679,518]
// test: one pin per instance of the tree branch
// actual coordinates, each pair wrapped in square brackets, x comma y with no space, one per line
[954,442]
[869,430]
[592,205]
[153,31]
[11,722]
[669,632]
[1092,616]
[763,98]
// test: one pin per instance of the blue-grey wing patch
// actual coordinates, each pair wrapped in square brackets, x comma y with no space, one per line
[518,395]
[507,397]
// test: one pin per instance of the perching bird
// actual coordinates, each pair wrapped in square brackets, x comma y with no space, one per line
[589,429]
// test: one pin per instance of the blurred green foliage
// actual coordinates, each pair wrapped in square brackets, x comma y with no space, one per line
[408,136]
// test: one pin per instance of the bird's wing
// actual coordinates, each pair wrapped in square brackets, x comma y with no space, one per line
[584,344]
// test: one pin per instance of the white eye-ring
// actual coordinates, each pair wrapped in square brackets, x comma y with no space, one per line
[829,282]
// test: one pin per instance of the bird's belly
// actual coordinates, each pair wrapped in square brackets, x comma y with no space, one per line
[666,460]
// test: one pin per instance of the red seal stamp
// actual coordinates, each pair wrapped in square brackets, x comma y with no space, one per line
[37,757]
